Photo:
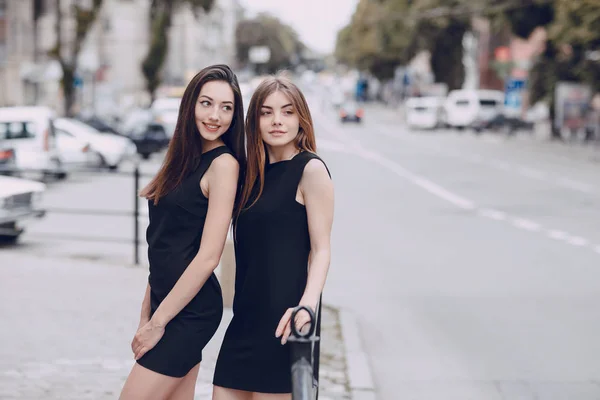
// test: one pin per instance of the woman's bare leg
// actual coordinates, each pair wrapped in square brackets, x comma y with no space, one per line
[145,384]
[221,393]
[186,388]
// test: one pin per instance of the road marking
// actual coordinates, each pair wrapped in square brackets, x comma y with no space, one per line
[493,214]
[455,199]
[531,172]
[557,235]
[577,241]
[502,165]
[526,224]
[420,181]
[576,185]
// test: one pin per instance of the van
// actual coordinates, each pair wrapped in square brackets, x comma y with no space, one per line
[472,108]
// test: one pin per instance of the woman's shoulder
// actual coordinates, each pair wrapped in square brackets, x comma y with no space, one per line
[315,165]
[225,161]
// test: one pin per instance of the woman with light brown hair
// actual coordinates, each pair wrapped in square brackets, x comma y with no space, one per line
[282,228]
[191,202]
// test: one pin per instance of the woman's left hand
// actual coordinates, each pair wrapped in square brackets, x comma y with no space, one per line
[146,338]
[284,329]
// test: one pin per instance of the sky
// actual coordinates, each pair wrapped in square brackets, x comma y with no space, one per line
[316,21]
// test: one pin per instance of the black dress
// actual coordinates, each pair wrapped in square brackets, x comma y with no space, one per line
[272,247]
[174,233]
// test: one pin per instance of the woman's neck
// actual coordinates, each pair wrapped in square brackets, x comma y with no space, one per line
[283,153]
[208,146]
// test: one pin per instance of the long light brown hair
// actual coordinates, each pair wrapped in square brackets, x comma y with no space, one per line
[253,184]
[185,148]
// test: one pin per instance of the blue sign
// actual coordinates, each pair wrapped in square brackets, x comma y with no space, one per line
[77,81]
[513,93]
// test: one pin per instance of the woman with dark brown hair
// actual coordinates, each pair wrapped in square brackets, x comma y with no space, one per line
[190,201]
[282,244]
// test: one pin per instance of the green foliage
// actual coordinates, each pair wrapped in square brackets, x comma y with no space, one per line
[387,33]
[373,41]
[161,14]
[524,20]
[266,30]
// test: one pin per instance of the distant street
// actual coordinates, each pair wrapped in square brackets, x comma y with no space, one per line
[472,263]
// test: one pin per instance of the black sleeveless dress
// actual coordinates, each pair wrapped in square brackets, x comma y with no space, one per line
[272,247]
[174,233]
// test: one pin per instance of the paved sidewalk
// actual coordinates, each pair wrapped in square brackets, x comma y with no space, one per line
[67,325]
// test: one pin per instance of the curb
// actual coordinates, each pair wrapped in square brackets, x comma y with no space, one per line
[359,371]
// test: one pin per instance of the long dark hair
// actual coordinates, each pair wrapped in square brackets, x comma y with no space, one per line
[257,154]
[185,148]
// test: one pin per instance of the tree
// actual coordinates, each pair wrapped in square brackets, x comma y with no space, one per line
[374,42]
[265,30]
[573,29]
[442,35]
[67,57]
[161,14]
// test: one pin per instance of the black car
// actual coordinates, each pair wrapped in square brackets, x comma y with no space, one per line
[149,138]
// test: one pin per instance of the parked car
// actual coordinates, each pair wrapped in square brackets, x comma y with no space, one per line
[148,135]
[423,112]
[19,202]
[112,149]
[100,125]
[29,131]
[472,108]
[165,111]
[7,160]
[149,138]
[351,111]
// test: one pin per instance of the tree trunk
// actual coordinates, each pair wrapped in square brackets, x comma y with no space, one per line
[447,56]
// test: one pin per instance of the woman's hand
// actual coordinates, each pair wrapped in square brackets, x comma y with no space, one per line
[146,338]
[284,329]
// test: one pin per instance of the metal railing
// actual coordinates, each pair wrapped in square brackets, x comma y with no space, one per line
[133,213]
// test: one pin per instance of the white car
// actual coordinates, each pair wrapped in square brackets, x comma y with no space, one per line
[30,133]
[111,148]
[423,112]
[19,202]
[472,108]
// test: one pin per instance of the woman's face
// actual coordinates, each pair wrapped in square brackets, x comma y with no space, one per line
[279,121]
[214,109]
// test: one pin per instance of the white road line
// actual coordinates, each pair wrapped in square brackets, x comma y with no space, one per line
[447,195]
[504,166]
[531,173]
[557,235]
[577,241]
[597,249]
[526,224]
[576,185]
[492,214]
[420,181]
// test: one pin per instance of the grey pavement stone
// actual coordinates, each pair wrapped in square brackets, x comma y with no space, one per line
[71,322]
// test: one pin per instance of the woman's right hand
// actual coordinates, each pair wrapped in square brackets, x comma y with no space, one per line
[143,321]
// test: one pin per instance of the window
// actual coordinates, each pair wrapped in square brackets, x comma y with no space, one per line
[17,130]
[487,103]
